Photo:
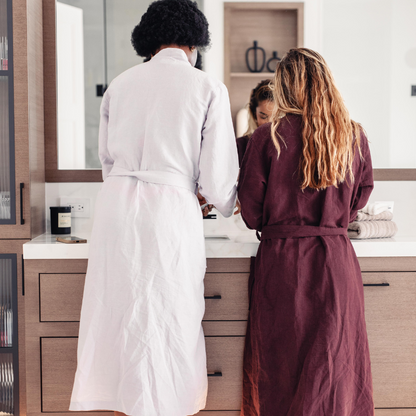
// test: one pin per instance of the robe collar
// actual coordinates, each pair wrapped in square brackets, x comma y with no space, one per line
[174,53]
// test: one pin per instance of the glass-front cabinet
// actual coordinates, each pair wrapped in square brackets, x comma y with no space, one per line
[7,169]
[9,403]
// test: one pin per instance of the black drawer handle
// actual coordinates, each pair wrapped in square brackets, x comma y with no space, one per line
[22,220]
[213,297]
[215,374]
[376,284]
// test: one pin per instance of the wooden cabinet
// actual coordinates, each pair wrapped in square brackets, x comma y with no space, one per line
[12,330]
[391,328]
[22,173]
[53,302]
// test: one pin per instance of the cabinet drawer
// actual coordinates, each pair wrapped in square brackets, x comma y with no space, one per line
[391,328]
[395,412]
[232,288]
[61,296]
[224,355]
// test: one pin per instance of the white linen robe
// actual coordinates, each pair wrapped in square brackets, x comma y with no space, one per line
[141,347]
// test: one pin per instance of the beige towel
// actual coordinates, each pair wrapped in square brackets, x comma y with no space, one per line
[384,216]
[372,229]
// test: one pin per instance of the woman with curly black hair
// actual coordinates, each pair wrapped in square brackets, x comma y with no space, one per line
[165,131]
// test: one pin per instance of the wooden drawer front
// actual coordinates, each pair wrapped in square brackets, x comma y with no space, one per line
[59,362]
[391,328]
[233,305]
[61,297]
[225,355]
[395,412]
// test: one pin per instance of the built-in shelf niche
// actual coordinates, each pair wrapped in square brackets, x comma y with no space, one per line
[276,27]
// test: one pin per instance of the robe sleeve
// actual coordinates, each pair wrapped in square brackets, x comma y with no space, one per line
[218,163]
[252,185]
[105,158]
[366,183]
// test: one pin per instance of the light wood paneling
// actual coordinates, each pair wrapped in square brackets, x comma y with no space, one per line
[387,264]
[275,30]
[395,412]
[228,265]
[394,174]
[59,362]
[232,287]
[276,26]
[224,354]
[391,328]
[28,120]
[35,117]
[61,296]
[21,109]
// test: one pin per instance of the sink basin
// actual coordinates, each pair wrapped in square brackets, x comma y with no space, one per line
[217,237]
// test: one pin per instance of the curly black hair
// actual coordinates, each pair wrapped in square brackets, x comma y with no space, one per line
[169,22]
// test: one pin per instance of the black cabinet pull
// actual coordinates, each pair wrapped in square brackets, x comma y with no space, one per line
[376,284]
[215,374]
[22,220]
[213,297]
[23,276]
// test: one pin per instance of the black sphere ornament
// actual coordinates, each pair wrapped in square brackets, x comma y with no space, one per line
[273,58]
[256,51]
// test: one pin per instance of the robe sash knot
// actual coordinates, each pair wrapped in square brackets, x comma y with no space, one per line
[159,177]
[298,231]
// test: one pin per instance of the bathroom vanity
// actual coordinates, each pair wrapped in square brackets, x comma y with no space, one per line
[53,285]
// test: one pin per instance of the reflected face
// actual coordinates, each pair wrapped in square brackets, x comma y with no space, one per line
[263,112]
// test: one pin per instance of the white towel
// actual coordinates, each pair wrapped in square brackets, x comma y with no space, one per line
[384,216]
[372,229]
[378,207]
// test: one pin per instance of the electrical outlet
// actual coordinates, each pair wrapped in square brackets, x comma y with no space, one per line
[413,90]
[80,207]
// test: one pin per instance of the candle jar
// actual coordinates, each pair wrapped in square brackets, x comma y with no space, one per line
[60,220]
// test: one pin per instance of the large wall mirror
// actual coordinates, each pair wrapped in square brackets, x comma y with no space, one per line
[370,46]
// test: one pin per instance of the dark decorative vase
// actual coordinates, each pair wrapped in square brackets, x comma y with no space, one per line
[256,50]
[271,60]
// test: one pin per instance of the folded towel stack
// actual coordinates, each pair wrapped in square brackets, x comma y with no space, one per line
[374,221]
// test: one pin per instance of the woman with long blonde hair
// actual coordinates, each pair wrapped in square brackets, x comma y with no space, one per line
[303,179]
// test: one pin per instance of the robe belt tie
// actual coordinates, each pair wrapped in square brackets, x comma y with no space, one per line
[158,177]
[298,231]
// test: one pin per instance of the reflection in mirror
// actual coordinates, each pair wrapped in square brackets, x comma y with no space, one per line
[93,47]
[371,48]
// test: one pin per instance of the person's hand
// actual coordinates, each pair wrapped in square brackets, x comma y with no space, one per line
[208,207]
[238,206]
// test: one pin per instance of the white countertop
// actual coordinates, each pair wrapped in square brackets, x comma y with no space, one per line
[242,245]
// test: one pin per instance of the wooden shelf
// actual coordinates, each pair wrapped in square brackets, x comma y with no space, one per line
[251,74]
[275,26]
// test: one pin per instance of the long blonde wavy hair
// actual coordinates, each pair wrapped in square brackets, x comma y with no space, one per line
[303,84]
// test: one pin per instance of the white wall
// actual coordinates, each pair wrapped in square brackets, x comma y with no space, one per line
[214,11]
[370,46]
[70,81]
[402,193]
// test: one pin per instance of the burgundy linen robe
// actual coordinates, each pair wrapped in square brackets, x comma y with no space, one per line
[306,351]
